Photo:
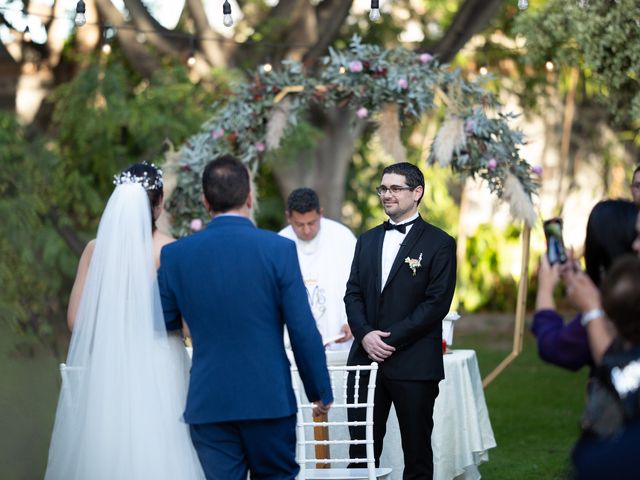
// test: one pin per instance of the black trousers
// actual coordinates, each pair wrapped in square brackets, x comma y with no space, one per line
[413,401]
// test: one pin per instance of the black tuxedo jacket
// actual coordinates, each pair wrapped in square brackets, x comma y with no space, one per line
[410,307]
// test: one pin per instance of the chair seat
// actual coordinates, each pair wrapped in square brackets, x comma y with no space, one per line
[344,473]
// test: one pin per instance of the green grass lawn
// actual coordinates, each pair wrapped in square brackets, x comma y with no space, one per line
[534,409]
[28,399]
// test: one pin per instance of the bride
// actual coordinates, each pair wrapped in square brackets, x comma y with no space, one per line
[124,385]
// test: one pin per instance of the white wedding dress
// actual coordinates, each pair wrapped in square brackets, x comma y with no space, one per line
[119,414]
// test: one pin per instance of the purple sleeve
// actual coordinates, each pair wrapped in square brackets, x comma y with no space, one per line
[563,345]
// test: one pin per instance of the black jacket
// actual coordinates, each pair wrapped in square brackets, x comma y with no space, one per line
[409,306]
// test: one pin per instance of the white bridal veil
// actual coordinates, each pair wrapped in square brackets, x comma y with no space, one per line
[120,409]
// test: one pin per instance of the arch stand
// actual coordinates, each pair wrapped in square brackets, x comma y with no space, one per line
[521,308]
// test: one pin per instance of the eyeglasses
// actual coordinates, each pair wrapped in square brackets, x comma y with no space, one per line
[393,189]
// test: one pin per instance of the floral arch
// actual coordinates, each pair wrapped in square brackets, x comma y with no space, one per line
[399,86]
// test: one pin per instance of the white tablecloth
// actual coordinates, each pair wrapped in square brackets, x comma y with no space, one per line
[462,433]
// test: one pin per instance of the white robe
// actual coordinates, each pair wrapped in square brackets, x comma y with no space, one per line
[325,263]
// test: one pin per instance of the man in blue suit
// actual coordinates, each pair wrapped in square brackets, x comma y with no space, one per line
[236,287]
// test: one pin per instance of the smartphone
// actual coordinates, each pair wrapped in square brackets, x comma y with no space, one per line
[556,253]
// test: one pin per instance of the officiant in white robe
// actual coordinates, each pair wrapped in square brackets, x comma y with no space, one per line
[325,252]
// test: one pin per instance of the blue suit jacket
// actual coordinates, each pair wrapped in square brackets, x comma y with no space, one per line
[236,287]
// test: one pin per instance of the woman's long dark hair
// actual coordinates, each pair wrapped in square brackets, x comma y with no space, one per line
[611,230]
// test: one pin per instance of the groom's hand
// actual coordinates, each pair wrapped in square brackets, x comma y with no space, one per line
[320,408]
[375,346]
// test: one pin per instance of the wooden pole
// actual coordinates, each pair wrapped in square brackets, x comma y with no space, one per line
[521,309]
[322,433]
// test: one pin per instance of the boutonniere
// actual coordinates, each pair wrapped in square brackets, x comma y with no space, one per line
[413,263]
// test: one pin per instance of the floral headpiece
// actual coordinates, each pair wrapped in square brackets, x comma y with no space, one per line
[144,180]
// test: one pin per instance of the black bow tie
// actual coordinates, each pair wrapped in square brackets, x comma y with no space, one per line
[401,227]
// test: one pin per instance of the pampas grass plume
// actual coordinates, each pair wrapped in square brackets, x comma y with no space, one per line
[277,124]
[519,202]
[450,138]
[389,133]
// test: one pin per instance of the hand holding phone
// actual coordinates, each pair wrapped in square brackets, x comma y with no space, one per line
[556,252]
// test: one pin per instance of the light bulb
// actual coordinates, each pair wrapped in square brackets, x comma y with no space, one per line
[191,61]
[523,4]
[80,18]
[106,49]
[227,19]
[374,13]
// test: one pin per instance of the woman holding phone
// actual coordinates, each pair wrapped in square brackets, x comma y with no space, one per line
[610,234]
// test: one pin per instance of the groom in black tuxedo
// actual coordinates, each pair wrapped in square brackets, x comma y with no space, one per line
[402,281]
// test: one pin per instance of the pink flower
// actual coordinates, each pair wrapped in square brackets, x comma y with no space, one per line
[402,83]
[196,225]
[537,170]
[261,147]
[492,164]
[362,113]
[217,133]
[426,57]
[355,66]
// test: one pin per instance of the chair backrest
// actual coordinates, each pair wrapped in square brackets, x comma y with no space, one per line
[337,423]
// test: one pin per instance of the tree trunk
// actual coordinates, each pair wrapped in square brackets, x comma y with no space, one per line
[325,168]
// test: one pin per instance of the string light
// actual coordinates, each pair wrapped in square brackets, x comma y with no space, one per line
[26,36]
[191,61]
[267,67]
[342,70]
[227,19]
[483,71]
[80,18]
[108,34]
[374,13]
[523,4]
[549,66]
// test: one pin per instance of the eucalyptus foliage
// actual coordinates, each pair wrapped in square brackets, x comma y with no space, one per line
[362,78]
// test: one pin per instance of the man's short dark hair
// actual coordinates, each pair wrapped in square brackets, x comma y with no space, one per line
[303,200]
[621,297]
[635,171]
[225,183]
[414,176]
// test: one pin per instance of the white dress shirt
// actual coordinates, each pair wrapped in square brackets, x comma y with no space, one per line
[390,247]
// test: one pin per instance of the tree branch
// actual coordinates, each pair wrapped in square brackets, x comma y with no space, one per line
[67,233]
[472,17]
[139,58]
[215,52]
[290,22]
[331,15]
[160,37]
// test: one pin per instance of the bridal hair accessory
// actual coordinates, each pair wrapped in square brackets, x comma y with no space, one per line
[413,263]
[144,180]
